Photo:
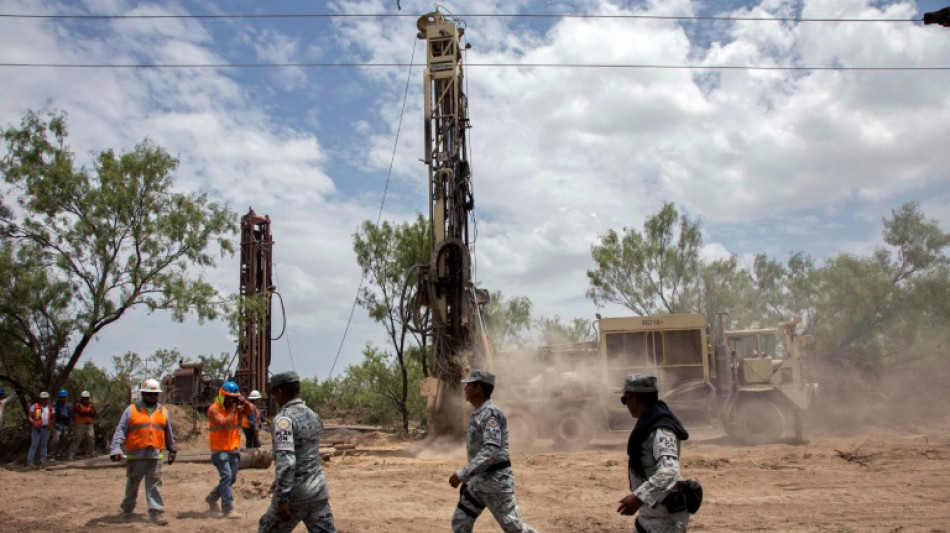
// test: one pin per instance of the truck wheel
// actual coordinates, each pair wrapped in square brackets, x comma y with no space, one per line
[521,430]
[571,429]
[759,422]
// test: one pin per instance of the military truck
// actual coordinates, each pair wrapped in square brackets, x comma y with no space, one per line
[750,381]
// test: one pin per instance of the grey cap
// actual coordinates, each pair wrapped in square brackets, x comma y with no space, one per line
[284,378]
[44,394]
[640,383]
[480,375]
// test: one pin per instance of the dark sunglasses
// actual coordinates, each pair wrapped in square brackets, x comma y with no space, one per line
[623,400]
[149,394]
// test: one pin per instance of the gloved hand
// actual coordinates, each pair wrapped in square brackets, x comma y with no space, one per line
[171,456]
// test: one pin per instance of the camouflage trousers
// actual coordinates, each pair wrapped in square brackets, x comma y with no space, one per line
[667,523]
[315,515]
[502,506]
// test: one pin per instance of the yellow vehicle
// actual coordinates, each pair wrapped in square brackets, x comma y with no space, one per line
[751,381]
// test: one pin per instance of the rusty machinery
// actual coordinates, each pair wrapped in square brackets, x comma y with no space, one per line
[440,300]
[257,289]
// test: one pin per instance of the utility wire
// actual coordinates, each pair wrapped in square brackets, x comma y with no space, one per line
[484,65]
[463,15]
[379,217]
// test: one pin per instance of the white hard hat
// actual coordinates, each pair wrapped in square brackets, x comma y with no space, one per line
[150,385]
[254,395]
[85,394]
[44,394]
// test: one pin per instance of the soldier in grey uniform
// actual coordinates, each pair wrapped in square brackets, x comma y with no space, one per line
[300,488]
[487,479]
[654,467]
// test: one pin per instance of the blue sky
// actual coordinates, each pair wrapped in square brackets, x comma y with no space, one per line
[771,160]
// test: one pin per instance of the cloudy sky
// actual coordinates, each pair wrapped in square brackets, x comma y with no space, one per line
[771,160]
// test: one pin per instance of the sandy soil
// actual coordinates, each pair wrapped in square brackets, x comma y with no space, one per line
[877,481]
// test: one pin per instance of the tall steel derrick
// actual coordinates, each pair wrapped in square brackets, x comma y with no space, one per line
[444,286]
[254,349]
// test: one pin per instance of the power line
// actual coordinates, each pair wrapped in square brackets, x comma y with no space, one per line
[468,15]
[499,65]
[379,216]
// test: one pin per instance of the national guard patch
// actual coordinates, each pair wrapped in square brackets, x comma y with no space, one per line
[283,435]
[492,432]
[665,444]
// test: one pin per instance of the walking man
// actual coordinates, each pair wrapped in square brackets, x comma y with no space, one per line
[300,488]
[653,464]
[63,419]
[487,479]
[144,430]
[3,406]
[84,413]
[41,420]
[224,438]
[251,424]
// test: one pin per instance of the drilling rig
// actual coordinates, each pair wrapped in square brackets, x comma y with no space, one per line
[441,294]
[254,348]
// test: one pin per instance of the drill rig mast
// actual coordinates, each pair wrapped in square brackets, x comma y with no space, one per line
[444,286]
[254,349]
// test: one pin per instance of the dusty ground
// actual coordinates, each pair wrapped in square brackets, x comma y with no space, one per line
[876,481]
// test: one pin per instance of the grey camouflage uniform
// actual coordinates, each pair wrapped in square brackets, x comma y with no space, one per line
[298,474]
[660,455]
[487,444]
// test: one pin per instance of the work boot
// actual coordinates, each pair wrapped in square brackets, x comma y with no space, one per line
[126,517]
[212,503]
[159,519]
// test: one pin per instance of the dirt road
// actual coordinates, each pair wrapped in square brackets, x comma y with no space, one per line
[876,481]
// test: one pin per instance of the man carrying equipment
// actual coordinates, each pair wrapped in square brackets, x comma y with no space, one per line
[300,488]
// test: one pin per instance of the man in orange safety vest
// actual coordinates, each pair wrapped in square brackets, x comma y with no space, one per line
[145,431]
[224,435]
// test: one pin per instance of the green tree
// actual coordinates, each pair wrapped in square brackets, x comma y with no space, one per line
[553,331]
[387,253]
[867,311]
[216,366]
[727,286]
[653,272]
[86,245]
[508,321]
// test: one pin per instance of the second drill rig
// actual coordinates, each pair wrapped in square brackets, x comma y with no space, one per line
[257,289]
[443,287]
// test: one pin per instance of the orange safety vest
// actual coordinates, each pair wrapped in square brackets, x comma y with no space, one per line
[82,414]
[246,421]
[37,413]
[146,430]
[223,437]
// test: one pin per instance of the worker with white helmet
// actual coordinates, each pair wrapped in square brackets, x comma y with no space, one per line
[251,423]
[41,420]
[144,430]
[84,414]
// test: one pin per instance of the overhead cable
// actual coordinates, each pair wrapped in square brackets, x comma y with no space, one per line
[465,15]
[487,65]
[382,203]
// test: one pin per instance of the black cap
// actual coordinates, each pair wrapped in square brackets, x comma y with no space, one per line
[284,378]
